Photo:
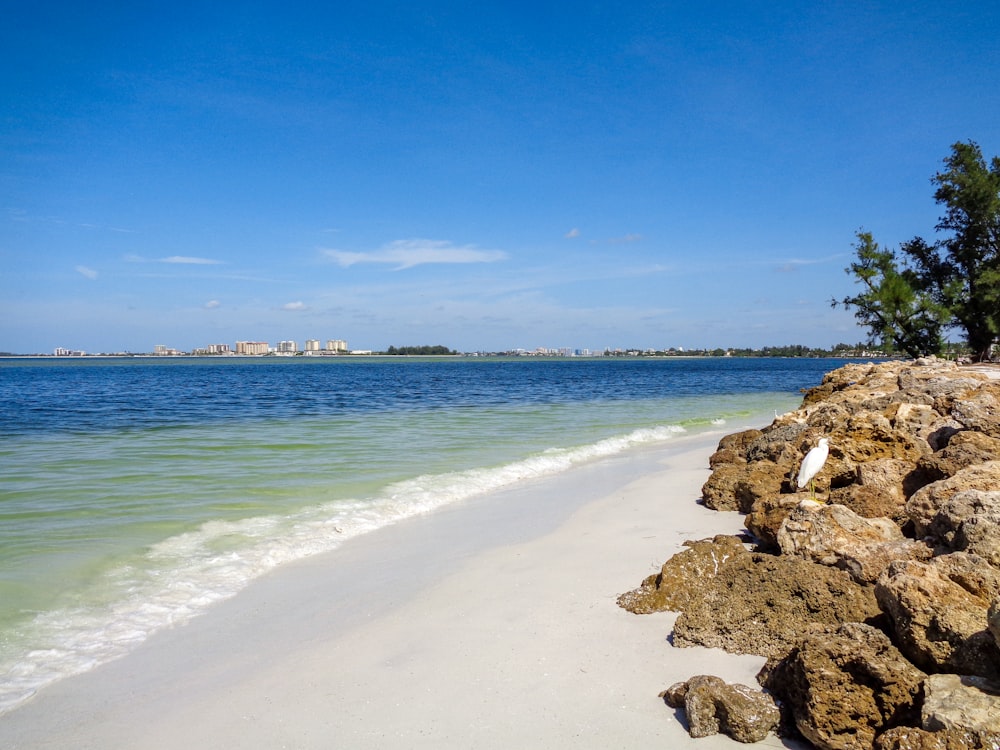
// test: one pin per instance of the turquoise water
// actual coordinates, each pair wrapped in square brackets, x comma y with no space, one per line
[135,493]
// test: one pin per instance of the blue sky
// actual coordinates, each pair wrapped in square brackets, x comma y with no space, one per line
[480,175]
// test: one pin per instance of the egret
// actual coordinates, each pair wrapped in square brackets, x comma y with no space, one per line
[812,463]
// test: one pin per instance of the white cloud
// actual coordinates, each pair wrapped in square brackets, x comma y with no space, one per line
[90,273]
[409,253]
[572,233]
[190,261]
[212,304]
[294,306]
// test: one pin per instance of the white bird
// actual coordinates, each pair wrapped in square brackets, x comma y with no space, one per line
[812,463]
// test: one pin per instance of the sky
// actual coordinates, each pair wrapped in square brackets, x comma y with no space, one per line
[484,176]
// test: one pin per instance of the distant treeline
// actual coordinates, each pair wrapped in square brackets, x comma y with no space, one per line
[420,350]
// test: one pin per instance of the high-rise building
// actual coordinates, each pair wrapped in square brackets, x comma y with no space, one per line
[312,345]
[252,347]
[336,345]
[287,347]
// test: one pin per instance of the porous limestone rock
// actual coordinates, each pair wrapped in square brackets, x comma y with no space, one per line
[939,612]
[979,409]
[913,738]
[836,536]
[970,521]
[762,604]
[738,486]
[928,501]
[961,703]
[766,517]
[678,581]
[712,706]
[964,448]
[845,687]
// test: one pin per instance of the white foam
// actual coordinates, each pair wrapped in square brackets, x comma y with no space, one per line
[180,577]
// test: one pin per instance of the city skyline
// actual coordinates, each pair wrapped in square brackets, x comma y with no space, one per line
[490,177]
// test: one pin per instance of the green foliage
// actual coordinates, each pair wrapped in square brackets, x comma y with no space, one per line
[953,283]
[425,351]
[892,304]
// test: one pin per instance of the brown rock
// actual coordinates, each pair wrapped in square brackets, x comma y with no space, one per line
[993,621]
[845,687]
[980,409]
[738,486]
[738,441]
[938,612]
[912,738]
[719,492]
[762,604]
[836,536]
[677,583]
[713,706]
[766,517]
[870,502]
[964,448]
[926,502]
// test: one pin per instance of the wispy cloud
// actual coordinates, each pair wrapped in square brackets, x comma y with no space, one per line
[631,237]
[89,273]
[212,304]
[292,306]
[190,261]
[409,253]
[175,259]
[572,233]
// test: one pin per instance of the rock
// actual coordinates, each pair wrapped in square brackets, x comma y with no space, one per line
[912,738]
[725,456]
[895,478]
[979,409]
[713,706]
[967,704]
[845,687]
[673,588]
[958,509]
[980,535]
[965,448]
[762,604]
[719,492]
[870,502]
[738,441]
[938,612]
[836,536]
[738,486]
[766,517]
[926,502]
[993,621]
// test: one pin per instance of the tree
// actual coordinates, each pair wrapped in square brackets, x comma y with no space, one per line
[891,304]
[953,283]
[963,270]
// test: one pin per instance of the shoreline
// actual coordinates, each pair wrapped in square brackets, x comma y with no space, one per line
[489,623]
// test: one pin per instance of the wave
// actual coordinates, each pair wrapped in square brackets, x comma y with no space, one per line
[182,576]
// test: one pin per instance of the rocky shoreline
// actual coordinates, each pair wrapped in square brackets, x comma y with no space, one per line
[876,601]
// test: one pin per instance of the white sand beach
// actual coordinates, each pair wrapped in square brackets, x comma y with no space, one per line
[488,624]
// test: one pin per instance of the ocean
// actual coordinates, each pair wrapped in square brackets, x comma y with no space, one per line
[136,492]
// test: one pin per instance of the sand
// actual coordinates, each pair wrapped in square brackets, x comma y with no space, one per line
[488,624]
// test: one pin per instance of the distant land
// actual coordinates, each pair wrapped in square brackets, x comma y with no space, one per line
[839,351]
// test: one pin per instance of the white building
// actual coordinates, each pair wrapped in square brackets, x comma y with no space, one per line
[287,347]
[336,345]
[312,345]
